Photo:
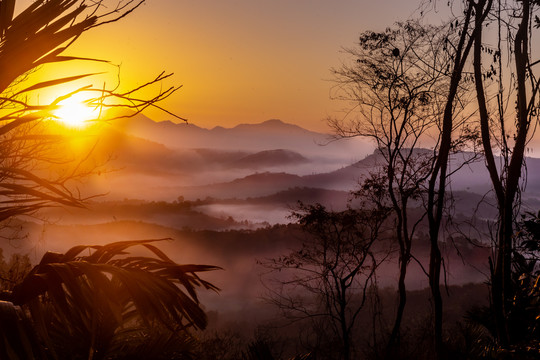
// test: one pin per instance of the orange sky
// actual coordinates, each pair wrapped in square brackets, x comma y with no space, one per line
[240,61]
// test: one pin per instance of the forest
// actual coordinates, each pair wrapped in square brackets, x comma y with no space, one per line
[371,278]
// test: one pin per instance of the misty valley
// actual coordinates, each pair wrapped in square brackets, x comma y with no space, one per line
[225,197]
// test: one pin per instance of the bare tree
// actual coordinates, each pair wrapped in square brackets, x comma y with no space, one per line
[327,279]
[398,89]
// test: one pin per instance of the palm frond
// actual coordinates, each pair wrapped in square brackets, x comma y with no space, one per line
[94,298]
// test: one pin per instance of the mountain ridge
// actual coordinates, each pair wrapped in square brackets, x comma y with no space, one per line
[266,135]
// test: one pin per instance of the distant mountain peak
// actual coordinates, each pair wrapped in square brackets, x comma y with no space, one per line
[273,122]
[273,125]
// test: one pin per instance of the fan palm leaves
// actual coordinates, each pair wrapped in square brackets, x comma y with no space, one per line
[107,300]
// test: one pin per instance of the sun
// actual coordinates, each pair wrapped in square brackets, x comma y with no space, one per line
[74,112]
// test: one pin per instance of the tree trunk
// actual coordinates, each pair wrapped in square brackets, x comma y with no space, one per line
[394,336]
[498,186]
[506,190]
[437,181]
[345,333]
[400,208]
[434,284]
[394,340]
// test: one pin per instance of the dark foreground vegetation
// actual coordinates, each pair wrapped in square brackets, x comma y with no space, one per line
[282,339]
[283,334]
[103,305]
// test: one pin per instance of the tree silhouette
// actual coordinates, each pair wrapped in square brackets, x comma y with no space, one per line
[490,66]
[333,270]
[509,138]
[398,89]
[466,30]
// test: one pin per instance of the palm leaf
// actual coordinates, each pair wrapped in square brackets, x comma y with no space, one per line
[36,33]
[55,82]
[107,292]
[7,8]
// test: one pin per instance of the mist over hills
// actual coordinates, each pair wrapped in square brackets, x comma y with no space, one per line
[224,195]
[161,161]
[472,177]
[267,135]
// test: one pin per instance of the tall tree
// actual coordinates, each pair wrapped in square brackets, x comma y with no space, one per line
[508,131]
[398,87]
[467,28]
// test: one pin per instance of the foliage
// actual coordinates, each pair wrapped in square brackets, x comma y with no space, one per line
[109,304]
[524,314]
[13,271]
[523,319]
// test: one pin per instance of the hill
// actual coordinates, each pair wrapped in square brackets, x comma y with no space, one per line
[270,158]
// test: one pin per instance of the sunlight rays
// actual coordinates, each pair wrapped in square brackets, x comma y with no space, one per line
[75,112]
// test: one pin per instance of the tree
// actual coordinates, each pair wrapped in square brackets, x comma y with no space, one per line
[398,87]
[440,174]
[327,279]
[512,25]
[508,137]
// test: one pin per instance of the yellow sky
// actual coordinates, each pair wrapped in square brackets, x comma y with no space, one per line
[239,61]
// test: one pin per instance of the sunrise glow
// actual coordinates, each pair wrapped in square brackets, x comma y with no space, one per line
[75,112]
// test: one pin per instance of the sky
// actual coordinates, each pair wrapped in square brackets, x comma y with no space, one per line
[239,61]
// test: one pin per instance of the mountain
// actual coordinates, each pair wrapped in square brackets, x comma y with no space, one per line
[268,183]
[268,135]
[164,160]
[470,176]
[347,177]
[136,155]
